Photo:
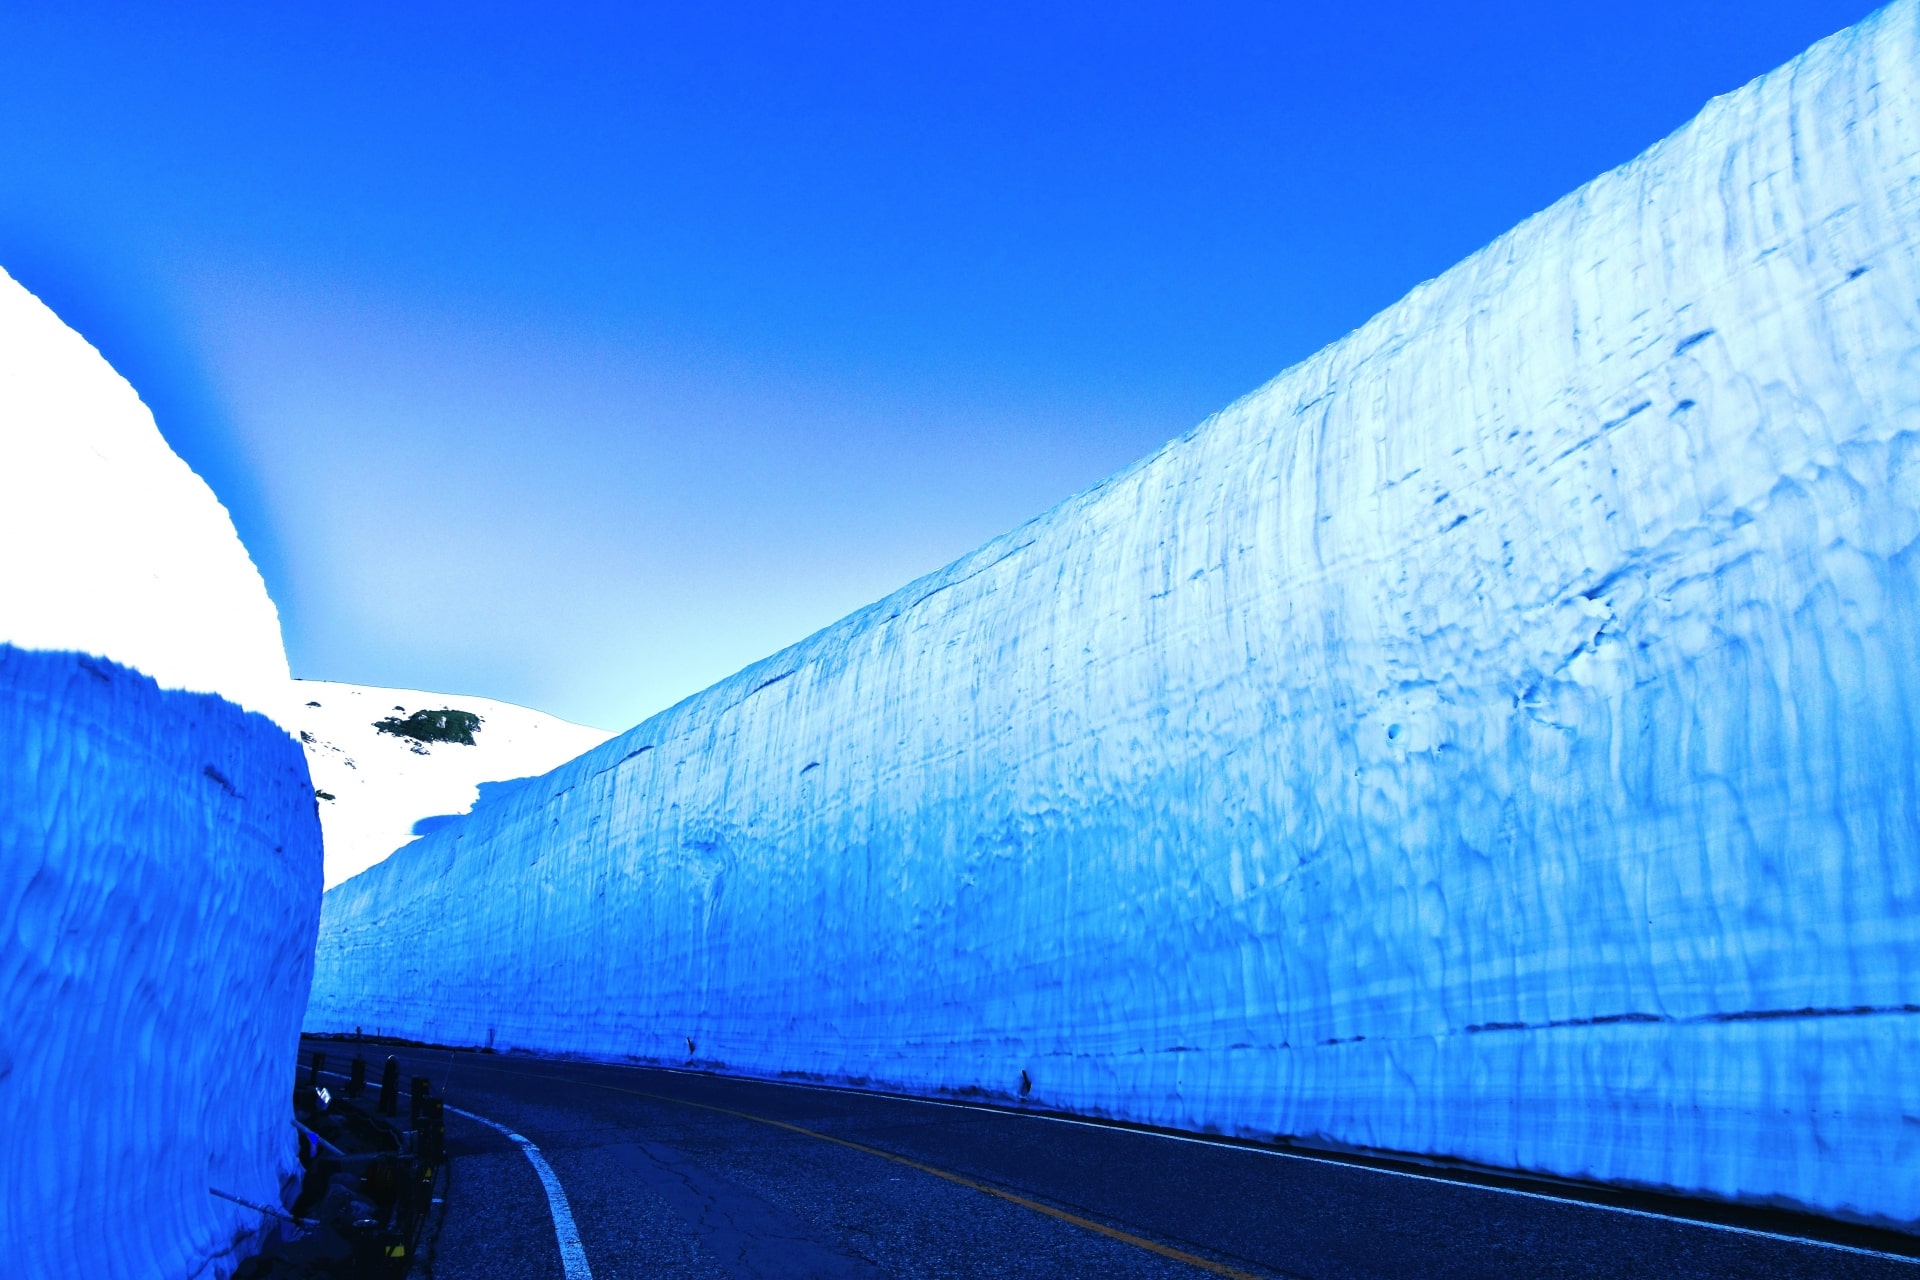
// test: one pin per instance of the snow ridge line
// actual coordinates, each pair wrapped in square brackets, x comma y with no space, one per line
[573,1258]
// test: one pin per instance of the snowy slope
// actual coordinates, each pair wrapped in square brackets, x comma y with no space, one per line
[159,847]
[114,546]
[375,786]
[1493,739]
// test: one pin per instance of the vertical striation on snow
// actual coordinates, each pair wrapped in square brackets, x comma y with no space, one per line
[159,895]
[1493,739]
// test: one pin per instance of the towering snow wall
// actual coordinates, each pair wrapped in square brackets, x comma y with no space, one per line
[158,896]
[113,545]
[1493,739]
[159,849]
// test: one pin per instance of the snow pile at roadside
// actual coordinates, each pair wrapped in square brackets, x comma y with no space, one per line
[159,846]
[375,786]
[1494,739]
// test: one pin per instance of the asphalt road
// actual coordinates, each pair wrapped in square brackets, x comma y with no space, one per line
[680,1174]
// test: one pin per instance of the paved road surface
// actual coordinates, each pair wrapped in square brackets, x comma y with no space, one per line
[675,1174]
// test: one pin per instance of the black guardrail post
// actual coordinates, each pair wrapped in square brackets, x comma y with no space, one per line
[432,1131]
[318,1065]
[422,1088]
[357,1077]
[390,1087]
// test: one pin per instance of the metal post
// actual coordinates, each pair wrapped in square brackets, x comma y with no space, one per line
[433,1130]
[390,1087]
[357,1077]
[319,1065]
[422,1089]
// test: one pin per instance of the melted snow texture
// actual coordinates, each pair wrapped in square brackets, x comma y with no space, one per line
[159,896]
[381,785]
[114,546]
[1494,738]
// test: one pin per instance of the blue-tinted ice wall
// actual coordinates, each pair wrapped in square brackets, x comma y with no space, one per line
[1493,739]
[159,897]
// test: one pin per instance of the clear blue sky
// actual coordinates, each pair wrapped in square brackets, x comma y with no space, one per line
[580,356]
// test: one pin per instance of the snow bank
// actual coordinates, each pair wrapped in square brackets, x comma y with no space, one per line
[159,850]
[374,787]
[159,895]
[1493,739]
[114,546]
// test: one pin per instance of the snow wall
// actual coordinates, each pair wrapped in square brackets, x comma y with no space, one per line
[159,894]
[131,555]
[1493,739]
[159,849]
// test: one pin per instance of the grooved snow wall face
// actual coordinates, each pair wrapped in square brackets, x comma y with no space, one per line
[159,896]
[113,545]
[1494,738]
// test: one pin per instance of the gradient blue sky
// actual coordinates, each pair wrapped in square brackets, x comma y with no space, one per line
[579,356]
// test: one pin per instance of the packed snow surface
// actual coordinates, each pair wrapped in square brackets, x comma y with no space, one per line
[114,546]
[159,894]
[1493,739]
[375,788]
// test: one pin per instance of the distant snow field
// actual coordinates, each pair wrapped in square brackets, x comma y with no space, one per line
[375,785]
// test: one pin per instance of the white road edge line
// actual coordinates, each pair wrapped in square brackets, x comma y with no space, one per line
[573,1258]
[1782,1236]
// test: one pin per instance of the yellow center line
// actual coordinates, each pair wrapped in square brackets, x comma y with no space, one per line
[1112,1233]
